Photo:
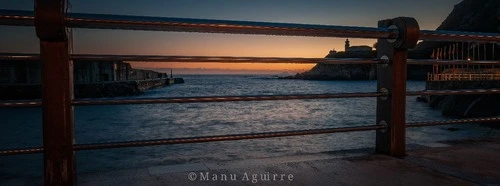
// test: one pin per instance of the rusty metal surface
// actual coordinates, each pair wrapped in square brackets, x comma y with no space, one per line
[17,18]
[408,36]
[57,93]
[454,92]
[223,137]
[198,139]
[391,77]
[384,82]
[20,103]
[443,35]
[50,20]
[225,59]
[36,103]
[57,114]
[454,121]
[236,59]
[449,62]
[102,21]
[223,98]
[105,21]
[197,59]
[7,152]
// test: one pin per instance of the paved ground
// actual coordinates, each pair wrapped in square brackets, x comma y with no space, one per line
[468,162]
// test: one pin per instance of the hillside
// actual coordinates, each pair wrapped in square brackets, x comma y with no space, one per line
[469,16]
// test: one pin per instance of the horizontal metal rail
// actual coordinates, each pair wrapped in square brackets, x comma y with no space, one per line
[226,59]
[171,141]
[471,76]
[275,97]
[236,59]
[83,102]
[20,103]
[104,21]
[19,56]
[449,62]
[454,92]
[224,98]
[197,59]
[454,121]
[223,137]
[34,150]
[202,139]
[442,35]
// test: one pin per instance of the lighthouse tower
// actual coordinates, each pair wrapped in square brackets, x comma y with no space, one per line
[347,45]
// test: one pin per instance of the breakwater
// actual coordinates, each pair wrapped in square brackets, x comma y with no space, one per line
[89,90]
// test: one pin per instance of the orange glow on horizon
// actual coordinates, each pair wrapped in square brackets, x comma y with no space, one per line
[243,47]
[285,67]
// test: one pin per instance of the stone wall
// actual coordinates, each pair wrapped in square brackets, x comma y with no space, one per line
[93,79]
[29,72]
[88,90]
[14,72]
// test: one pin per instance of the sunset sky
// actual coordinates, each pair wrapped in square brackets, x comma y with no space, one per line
[429,13]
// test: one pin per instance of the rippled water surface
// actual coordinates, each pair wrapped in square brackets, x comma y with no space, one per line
[21,127]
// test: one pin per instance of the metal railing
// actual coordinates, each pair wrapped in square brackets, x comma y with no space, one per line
[463,77]
[395,37]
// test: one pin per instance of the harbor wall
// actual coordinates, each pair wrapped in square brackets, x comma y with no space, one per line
[89,90]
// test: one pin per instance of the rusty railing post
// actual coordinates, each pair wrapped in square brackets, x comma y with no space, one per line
[391,78]
[57,93]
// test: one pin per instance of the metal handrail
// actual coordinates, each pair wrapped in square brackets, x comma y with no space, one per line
[453,121]
[450,62]
[104,21]
[453,92]
[82,102]
[20,103]
[199,139]
[197,59]
[170,141]
[163,100]
[236,59]
[203,139]
[463,77]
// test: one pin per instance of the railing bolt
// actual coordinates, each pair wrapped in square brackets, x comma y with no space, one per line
[385,92]
[385,61]
[395,29]
[384,124]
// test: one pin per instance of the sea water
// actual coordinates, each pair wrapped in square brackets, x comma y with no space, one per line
[21,127]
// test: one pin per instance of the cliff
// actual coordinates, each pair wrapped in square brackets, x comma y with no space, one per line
[468,16]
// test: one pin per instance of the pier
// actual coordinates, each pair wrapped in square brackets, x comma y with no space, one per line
[394,162]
